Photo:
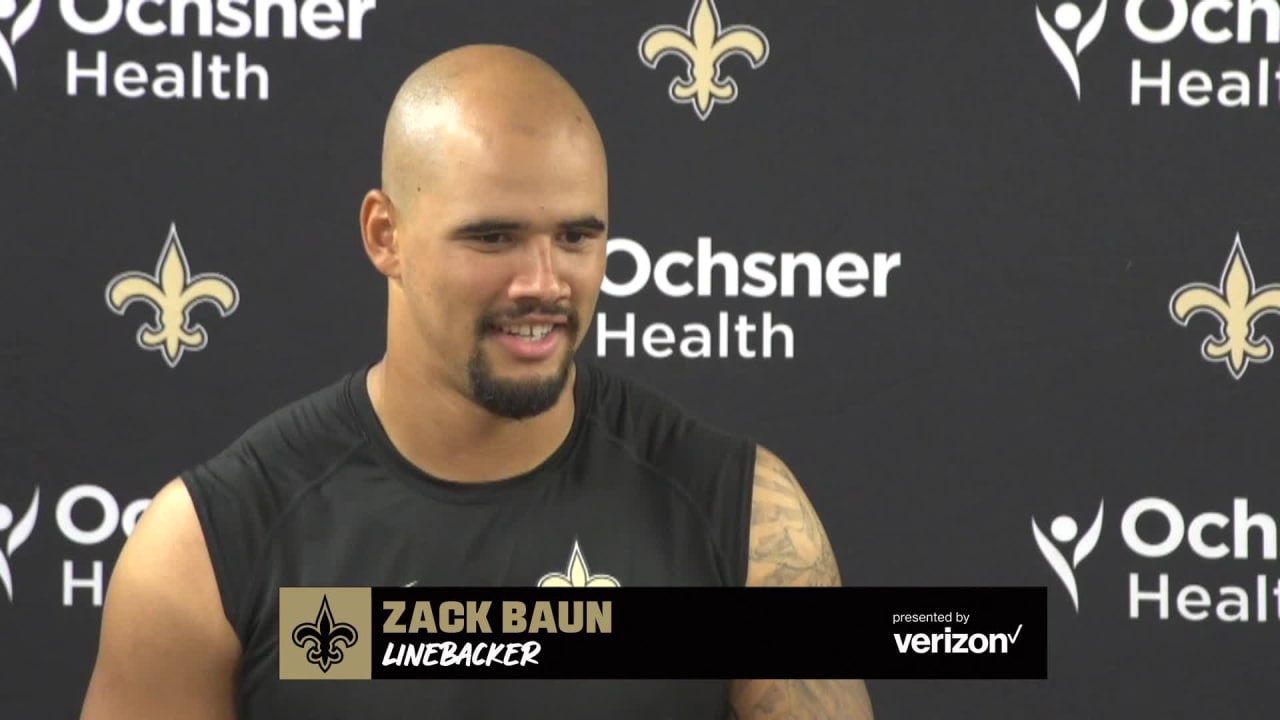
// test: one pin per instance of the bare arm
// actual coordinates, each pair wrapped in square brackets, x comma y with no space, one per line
[166,651]
[789,547]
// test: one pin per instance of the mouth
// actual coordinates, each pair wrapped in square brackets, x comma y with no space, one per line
[529,332]
[531,338]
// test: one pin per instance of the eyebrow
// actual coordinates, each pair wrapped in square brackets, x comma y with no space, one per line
[497,225]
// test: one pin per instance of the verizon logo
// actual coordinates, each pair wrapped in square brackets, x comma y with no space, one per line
[949,643]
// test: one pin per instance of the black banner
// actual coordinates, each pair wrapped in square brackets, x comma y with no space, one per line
[658,633]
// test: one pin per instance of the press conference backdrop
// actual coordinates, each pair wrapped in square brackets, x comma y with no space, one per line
[997,279]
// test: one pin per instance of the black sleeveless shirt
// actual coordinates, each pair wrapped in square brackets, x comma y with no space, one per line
[316,495]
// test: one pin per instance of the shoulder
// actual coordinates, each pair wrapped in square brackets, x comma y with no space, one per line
[788,543]
[283,449]
[760,510]
[706,467]
[164,642]
[660,429]
[789,548]
[237,497]
[302,429]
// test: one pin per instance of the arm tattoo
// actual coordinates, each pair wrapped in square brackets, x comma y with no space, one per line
[789,546]
[802,700]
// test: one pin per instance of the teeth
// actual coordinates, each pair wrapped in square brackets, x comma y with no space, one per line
[528,332]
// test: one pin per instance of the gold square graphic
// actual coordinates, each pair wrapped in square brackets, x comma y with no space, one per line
[325,633]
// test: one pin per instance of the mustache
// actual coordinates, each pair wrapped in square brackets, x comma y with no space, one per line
[531,307]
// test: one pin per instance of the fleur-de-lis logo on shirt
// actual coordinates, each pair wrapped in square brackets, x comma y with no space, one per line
[577,575]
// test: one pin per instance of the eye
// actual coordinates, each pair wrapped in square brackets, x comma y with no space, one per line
[493,238]
[577,237]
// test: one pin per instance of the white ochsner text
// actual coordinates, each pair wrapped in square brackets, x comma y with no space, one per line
[1240,536]
[200,74]
[1221,79]
[711,273]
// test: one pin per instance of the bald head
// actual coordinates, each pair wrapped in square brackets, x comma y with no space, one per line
[469,99]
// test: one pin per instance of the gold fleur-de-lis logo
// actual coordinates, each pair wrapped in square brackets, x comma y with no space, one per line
[703,45]
[172,292]
[324,639]
[577,575]
[1237,303]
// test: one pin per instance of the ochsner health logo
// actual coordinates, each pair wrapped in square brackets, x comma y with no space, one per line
[22,23]
[1067,19]
[91,523]
[17,535]
[1168,546]
[1167,36]
[708,272]
[1064,530]
[99,66]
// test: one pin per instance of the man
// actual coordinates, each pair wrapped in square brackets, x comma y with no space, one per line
[477,451]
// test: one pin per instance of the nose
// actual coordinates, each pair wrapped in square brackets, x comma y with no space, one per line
[538,275]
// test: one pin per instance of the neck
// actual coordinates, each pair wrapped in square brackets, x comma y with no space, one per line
[447,435]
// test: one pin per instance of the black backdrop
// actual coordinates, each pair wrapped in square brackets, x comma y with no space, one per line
[1023,363]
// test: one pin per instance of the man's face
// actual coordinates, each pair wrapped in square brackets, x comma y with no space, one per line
[503,262]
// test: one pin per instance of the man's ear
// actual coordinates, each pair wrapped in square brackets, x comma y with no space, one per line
[378,230]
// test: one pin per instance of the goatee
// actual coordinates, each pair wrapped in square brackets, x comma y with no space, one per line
[520,399]
[516,399]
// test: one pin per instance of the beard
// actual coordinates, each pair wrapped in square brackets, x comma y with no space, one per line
[520,399]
